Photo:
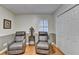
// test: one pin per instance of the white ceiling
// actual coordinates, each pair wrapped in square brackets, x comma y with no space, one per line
[32,8]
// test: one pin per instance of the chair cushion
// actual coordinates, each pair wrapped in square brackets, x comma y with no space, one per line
[19,38]
[43,38]
[15,52]
[43,51]
[43,45]
[16,46]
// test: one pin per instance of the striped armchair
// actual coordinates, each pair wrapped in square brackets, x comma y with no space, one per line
[19,44]
[43,46]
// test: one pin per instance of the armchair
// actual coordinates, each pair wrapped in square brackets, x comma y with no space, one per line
[43,46]
[19,44]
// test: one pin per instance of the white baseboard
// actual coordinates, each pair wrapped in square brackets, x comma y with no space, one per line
[4,50]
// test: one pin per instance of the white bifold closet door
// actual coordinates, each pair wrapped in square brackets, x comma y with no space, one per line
[67,31]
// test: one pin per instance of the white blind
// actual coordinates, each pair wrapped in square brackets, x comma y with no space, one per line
[43,25]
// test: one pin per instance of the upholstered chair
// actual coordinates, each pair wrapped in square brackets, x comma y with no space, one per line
[43,46]
[19,44]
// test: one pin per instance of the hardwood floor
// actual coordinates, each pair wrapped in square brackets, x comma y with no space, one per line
[30,50]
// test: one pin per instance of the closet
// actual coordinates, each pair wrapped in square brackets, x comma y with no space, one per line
[67,31]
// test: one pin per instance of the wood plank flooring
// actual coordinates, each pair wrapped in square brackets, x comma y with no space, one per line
[30,50]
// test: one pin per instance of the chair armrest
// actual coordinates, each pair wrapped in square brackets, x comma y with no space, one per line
[24,41]
[8,44]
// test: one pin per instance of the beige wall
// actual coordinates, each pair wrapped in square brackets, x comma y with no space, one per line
[24,22]
[5,14]
[6,35]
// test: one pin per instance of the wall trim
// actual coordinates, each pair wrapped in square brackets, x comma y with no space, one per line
[58,48]
[6,34]
[2,51]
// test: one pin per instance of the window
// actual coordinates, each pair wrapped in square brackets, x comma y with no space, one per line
[43,25]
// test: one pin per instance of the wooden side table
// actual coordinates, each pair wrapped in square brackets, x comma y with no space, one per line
[31,39]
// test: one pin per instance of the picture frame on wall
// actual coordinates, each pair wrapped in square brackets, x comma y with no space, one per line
[6,24]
